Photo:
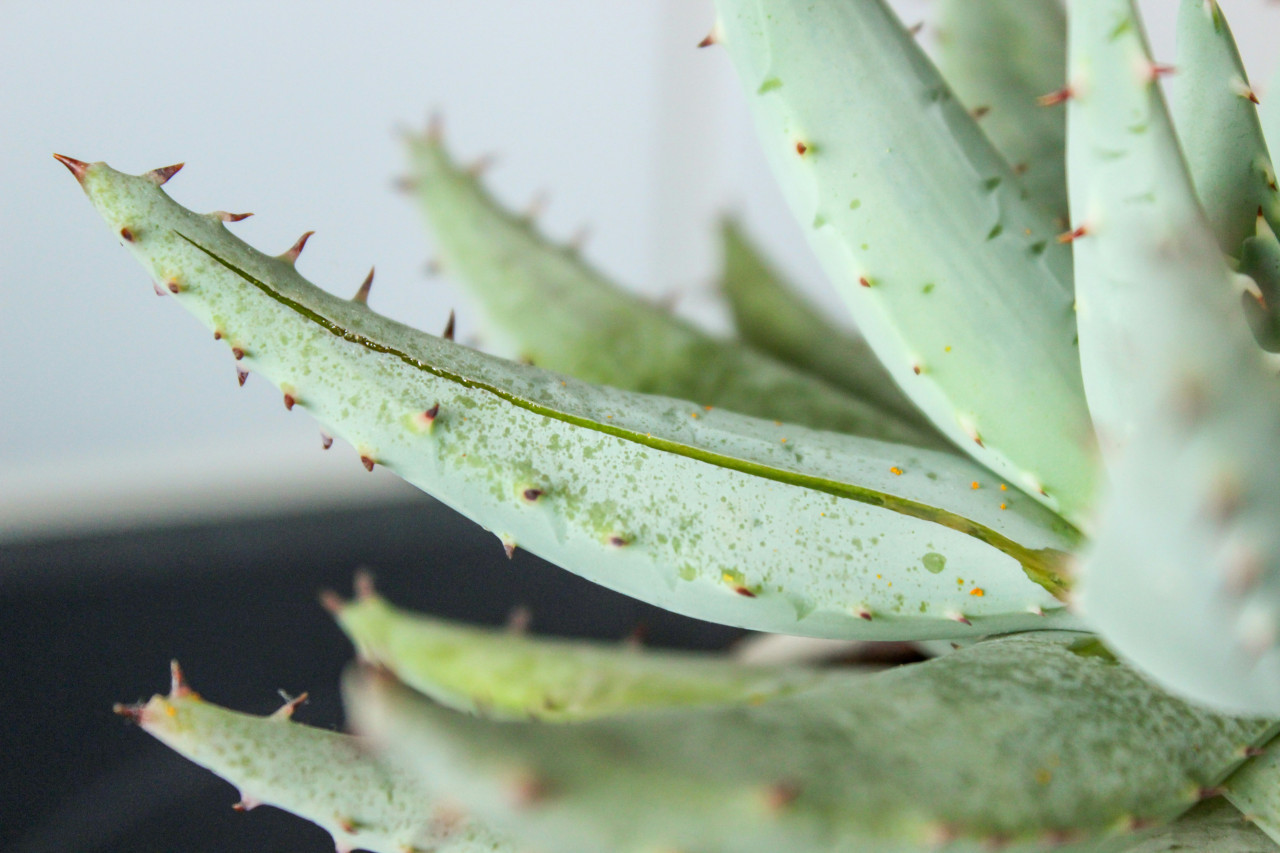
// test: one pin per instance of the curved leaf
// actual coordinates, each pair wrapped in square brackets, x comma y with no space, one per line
[897,761]
[952,274]
[709,513]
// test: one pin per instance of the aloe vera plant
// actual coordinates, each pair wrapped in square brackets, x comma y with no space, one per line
[1054,451]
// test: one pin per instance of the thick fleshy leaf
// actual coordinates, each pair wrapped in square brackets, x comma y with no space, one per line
[951,272]
[1023,741]
[709,513]
[1001,57]
[507,675]
[774,317]
[1184,575]
[544,304]
[1255,790]
[328,778]
[1217,121]
[1214,826]
[1260,260]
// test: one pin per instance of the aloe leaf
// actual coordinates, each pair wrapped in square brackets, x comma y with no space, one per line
[1255,790]
[330,779]
[774,317]
[709,513]
[505,675]
[551,308]
[1216,118]
[1001,57]
[1214,826]
[951,272]
[1260,260]
[1184,573]
[899,761]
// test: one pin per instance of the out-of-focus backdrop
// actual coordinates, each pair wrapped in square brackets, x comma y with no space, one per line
[115,407]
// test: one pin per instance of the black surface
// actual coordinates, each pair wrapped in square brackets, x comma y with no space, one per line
[93,621]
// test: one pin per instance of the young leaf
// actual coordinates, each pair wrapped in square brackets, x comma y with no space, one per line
[1001,57]
[505,675]
[328,778]
[952,273]
[1216,117]
[1184,573]
[901,760]
[717,515]
[775,318]
[552,309]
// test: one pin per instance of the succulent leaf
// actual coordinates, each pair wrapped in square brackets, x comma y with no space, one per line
[1184,574]
[327,778]
[1216,117]
[896,761]
[951,272]
[549,307]
[1260,260]
[709,513]
[1255,790]
[774,317]
[505,675]
[1214,826]
[1001,57]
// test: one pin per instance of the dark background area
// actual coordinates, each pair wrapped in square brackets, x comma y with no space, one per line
[95,620]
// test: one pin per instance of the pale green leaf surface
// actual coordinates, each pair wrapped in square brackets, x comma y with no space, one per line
[774,317]
[504,675]
[1214,826]
[1184,572]
[1255,790]
[1218,127]
[713,514]
[1017,741]
[999,57]
[328,778]
[1260,260]
[546,305]
[953,275]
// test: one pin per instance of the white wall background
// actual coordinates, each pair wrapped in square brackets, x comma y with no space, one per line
[115,406]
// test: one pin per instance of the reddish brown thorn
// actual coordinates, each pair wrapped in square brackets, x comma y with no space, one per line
[744,592]
[162,175]
[1254,751]
[915,29]
[296,249]
[246,804]
[864,281]
[367,463]
[290,401]
[980,112]
[915,368]
[362,295]
[1020,168]
[618,541]
[177,683]
[801,148]
[864,613]
[363,585]
[429,416]
[230,217]
[637,636]
[706,42]
[127,234]
[532,495]
[291,703]
[1161,70]
[347,825]
[529,790]
[241,375]
[509,548]
[217,334]
[449,326]
[1054,98]
[326,440]
[77,167]
[173,286]
[331,601]
[779,795]
[961,618]
[132,712]
[1209,793]
[237,353]
[160,291]
[1076,234]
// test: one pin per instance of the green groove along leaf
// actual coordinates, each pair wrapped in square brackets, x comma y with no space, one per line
[897,761]
[952,273]
[1214,826]
[1184,573]
[330,779]
[1000,57]
[774,317]
[505,675]
[1217,122]
[1255,790]
[552,309]
[708,513]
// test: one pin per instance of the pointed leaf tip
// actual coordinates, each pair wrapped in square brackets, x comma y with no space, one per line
[162,175]
[76,167]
